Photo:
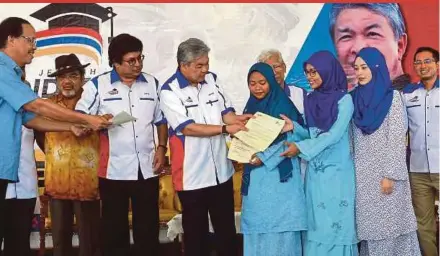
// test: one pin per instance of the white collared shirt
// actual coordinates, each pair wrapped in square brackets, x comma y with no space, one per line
[296,95]
[126,147]
[423,110]
[27,187]
[196,162]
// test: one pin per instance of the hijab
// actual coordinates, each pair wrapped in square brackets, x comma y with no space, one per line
[372,101]
[321,105]
[274,103]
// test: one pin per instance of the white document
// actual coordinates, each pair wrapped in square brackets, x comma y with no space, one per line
[262,131]
[240,151]
[122,117]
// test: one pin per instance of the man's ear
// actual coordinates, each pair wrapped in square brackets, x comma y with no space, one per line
[402,43]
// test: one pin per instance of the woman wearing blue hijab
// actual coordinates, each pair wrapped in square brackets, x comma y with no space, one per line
[330,176]
[274,210]
[386,223]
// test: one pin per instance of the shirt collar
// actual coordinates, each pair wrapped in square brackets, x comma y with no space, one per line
[422,85]
[114,77]
[10,63]
[412,87]
[183,82]
[436,83]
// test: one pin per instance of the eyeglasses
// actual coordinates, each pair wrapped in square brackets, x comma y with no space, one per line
[277,66]
[311,73]
[30,40]
[132,61]
[425,61]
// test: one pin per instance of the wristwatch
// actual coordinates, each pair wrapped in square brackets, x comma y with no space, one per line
[224,130]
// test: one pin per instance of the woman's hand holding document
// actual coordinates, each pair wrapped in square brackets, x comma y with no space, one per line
[262,131]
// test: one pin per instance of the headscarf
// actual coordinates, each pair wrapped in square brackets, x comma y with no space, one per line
[372,101]
[321,105]
[274,103]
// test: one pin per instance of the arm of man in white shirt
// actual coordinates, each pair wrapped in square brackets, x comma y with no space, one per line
[175,114]
[162,135]
[232,118]
[228,113]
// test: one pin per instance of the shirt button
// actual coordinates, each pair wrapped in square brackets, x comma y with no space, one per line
[132,106]
[138,136]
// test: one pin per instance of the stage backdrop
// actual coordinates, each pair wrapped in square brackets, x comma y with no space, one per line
[236,34]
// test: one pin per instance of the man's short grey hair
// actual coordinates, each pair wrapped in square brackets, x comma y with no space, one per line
[269,53]
[390,11]
[190,50]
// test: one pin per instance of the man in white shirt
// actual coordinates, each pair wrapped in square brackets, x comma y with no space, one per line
[130,158]
[423,108]
[200,116]
[21,198]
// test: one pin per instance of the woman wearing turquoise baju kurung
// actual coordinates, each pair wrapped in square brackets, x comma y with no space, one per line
[274,209]
[330,175]
[329,186]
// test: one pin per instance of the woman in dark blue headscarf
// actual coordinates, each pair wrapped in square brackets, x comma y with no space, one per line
[330,175]
[385,218]
[372,100]
[274,210]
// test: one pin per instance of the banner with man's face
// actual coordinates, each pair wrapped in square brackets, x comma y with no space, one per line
[395,29]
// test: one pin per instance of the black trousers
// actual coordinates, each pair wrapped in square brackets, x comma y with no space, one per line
[144,195]
[17,226]
[218,201]
[3,187]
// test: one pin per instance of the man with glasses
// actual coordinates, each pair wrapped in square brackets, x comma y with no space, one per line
[275,60]
[130,157]
[71,169]
[422,105]
[17,101]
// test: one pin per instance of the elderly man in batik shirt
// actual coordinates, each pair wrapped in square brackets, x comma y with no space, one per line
[71,174]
